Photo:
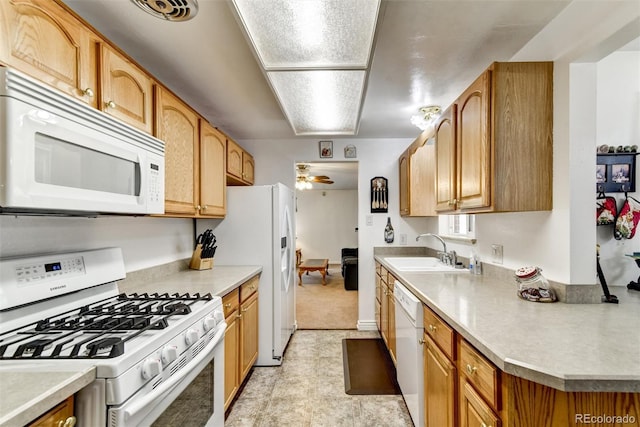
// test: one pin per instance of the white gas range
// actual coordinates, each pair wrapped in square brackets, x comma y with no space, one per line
[65,311]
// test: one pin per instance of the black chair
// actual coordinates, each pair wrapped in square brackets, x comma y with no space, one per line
[350,268]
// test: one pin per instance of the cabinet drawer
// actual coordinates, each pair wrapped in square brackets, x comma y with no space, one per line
[249,287]
[231,302]
[480,373]
[440,332]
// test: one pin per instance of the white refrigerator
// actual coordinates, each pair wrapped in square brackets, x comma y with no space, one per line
[259,229]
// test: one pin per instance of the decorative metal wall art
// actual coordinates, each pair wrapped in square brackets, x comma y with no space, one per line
[379,195]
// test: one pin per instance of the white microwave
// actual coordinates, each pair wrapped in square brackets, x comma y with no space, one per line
[59,156]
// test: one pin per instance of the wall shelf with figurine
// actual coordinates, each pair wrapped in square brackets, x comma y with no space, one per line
[616,172]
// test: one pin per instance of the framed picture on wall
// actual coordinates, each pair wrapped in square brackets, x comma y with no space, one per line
[326,149]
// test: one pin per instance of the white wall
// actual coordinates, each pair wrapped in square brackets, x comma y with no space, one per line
[618,123]
[145,242]
[326,222]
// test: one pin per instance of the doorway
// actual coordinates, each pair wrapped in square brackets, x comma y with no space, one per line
[326,222]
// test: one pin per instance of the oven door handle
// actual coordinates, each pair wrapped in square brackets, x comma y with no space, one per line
[131,411]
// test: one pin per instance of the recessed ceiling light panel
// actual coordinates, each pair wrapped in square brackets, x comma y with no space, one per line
[320,102]
[310,33]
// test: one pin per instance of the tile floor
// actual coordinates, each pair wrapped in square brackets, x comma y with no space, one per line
[308,390]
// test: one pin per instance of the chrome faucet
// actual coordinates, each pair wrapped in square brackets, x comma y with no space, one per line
[449,258]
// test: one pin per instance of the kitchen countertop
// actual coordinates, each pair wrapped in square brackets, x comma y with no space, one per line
[570,347]
[27,392]
[219,280]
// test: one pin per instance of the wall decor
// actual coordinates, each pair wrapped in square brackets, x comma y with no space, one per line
[350,151]
[326,149]
[379,195]
[616,173]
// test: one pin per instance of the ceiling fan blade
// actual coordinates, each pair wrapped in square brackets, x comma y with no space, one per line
[324,181]
[319,177]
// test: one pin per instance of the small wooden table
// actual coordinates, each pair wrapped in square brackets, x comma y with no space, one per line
[313,265]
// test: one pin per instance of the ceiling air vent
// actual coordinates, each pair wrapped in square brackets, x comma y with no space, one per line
[169,10]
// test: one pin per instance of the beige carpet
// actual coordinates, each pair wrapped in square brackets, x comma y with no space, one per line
[325,307]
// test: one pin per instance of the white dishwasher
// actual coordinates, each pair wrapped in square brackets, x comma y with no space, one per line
[409,330]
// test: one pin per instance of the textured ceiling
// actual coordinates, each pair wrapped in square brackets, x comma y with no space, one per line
[426,52]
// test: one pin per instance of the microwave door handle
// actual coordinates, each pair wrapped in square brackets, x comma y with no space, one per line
[141,404]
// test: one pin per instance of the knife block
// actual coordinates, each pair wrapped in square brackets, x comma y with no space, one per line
[198,263]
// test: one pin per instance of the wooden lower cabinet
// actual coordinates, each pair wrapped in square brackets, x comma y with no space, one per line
[474,412]
[391,338]
[59,416]
[387,309]
[241,336]
[231,366]
[248,334]
[439,386]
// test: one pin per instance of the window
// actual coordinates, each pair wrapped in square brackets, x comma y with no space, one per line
[459,226]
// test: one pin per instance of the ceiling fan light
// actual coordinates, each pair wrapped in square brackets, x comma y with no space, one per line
[308,186]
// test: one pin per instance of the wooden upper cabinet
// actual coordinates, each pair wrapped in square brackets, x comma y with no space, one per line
[494,150]
[473,148]
[213,177]
[403,167]
[41,39]
[234,159]
[248,168]
[177,126]
[240,165]
[445,148]
[417,177]
[127,91]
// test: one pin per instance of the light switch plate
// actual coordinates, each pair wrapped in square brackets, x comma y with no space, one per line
[496,254]
[369,220]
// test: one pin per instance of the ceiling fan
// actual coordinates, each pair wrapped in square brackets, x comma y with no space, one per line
[304,180]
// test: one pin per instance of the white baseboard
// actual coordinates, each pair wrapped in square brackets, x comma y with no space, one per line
[367,325]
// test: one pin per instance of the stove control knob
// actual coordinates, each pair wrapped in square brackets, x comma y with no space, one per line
[169,354]
[218,315]
[191,337]
[150,368]
[209,323]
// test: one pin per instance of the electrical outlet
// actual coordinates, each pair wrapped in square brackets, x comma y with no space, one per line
[496,254]
[369,220]
[403,239]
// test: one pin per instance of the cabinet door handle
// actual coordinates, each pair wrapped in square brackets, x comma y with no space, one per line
[227,305]
[432,328]
[483,424]
[421,341]
[239,316]
[110,104]
[69,422]
[204,208]
[197,207]
[471,369]
[88,92]
[244,310]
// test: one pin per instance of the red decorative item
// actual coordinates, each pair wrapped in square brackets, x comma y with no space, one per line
[627,221]
[606,210]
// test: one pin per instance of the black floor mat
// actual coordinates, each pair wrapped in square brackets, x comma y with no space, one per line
[368,368]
